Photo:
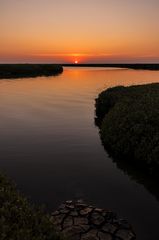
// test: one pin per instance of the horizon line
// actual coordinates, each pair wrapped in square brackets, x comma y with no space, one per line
[77,64]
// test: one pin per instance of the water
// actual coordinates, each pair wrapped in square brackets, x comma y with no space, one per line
[50,146]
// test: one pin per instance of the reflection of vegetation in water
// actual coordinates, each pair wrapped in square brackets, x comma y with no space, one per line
[19,219]
[128,118]
[29,70]
[150,182]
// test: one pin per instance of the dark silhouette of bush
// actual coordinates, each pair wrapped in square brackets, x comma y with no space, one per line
[128,118]
[29,70]
[19,219]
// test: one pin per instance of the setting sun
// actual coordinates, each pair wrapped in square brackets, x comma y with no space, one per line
[76,62]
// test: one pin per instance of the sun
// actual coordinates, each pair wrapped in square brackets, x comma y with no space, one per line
[76,62]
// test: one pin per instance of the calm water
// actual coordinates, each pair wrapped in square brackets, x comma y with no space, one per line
[50,146]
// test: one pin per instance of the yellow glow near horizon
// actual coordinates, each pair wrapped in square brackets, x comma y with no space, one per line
[87,30]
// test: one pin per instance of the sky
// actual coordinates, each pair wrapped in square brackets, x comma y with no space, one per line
[86,31]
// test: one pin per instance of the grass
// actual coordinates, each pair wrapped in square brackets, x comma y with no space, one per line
[128,118]
[29,70]
[19,219]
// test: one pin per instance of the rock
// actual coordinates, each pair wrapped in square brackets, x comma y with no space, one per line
[64,211]
[104,236]
[91,235]
[73,233]
[81,205]
[97,219]
[74,213]
[71,207]
[68,222]
[85,228]
[79,221]
[57,220]
[125,234]
[108,227]
[69,202]
[98,210]
[86,211]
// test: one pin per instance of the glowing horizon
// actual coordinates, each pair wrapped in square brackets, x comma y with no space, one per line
[87,31]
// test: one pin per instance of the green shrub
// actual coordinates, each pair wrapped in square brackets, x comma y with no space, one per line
[128,118]
[20,220]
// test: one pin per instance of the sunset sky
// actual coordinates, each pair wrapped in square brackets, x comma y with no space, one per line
[65,31]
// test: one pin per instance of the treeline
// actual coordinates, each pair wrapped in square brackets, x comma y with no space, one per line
[29,70]
[138,66]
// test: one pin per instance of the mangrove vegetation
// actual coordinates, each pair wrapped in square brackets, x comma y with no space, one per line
[29,70]
[137,66]
[128,118]
[19,219]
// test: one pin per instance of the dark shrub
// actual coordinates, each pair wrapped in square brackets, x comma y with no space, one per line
[129,123]
[29,70]
[20,220]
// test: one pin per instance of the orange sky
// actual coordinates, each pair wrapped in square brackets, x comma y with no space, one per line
[83,30]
